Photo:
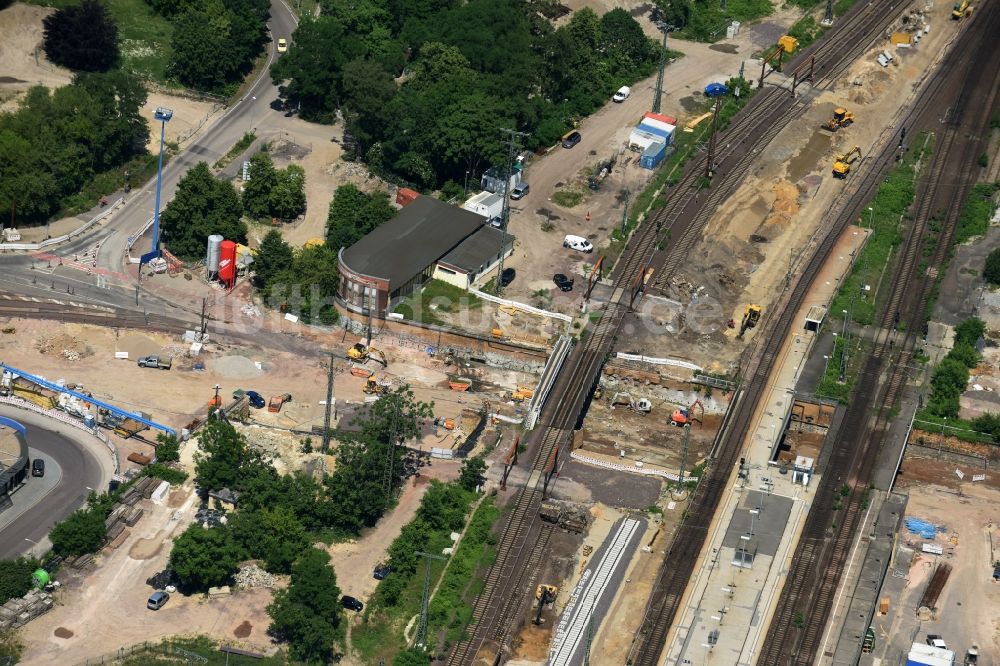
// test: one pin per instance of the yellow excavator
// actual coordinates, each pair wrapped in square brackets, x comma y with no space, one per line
[361,354]
[960,10]
[750,318]
[842,166]
[841,118]
[375,387]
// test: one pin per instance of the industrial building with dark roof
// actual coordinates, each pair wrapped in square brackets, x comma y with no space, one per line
[427,239]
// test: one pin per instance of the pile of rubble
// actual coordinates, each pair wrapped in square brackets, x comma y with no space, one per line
[250,310]
[250,576]
[18,612]
[65,345]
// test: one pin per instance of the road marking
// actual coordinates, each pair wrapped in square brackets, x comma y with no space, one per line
[56,302]
[36,300]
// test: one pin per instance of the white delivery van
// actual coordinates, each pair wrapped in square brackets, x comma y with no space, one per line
[622,94]
[578,243]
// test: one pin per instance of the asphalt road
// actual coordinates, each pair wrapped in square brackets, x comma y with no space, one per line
[41,503]
[250,113]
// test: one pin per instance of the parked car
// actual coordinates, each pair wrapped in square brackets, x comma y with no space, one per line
[622,94]
[507,276]
[381,571]
[936,641]
[256,399]
[578,243]
[37,467]
[282,45]
[155,362]
[350,603]
[571,139]
[564,283]
[157,600]
[519,190]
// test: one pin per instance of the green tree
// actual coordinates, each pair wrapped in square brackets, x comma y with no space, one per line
[257,191]
[988,423]
[273,535]
[273,257]
[306,614]
[81,532]
[991,269]
[288,198]
[411,657]
[970,331]
[202,206]
[82,37]
[354,214]
[168,448]
[203,558]
[15,577]
[368,92]
[308,287]
[473,472]
[222,455]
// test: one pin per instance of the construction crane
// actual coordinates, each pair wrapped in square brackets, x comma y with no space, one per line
[841,118]
[683,416]
[640,406]
[751,316]
[842,165]
[361,353]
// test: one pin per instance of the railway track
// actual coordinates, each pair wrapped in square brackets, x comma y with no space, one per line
[819,561]
[523,537]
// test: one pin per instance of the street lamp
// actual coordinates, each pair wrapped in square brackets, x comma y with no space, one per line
[871,218]
[753,514]
[163,115]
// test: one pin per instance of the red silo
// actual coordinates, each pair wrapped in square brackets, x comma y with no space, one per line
[227,263]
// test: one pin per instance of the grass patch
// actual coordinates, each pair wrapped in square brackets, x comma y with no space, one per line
[450,610]
[437,296]
[171,652]
[830,385]
[140,169]
[708,21]
[886,219]
[568,198]
[807,30]
[245,142]
[976,212]
[144,36]
[958,428]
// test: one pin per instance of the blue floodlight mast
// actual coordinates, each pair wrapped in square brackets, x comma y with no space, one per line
[163,115]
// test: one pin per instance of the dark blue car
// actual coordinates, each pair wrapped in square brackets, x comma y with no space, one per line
[256,399]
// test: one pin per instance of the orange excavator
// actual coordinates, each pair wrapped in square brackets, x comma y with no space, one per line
[684,416]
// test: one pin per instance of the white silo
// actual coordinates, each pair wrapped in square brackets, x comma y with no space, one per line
[214,251]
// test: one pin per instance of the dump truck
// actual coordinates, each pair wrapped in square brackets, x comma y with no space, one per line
[155,362]
[278,401]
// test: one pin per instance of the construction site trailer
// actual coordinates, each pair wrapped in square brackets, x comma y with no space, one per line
[814,318]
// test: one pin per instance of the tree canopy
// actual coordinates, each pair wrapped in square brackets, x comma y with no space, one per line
[205,558]
[214,41]
[423,86]
[272,192]
[306,614]
[202,206]
[991,268]
[82,37]
[353,214]
[58,141]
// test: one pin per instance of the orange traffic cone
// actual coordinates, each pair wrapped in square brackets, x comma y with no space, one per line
[588,216]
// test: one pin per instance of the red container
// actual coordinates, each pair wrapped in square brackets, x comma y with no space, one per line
[227,263]
[405,196]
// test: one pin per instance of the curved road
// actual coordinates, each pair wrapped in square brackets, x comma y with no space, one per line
[72,465]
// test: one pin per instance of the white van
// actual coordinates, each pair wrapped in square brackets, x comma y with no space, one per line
[578,243]
[622,94]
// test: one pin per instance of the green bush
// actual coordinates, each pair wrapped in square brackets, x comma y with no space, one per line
[991,269]
[82,532]
[15,577]
[166,473]
[976,212]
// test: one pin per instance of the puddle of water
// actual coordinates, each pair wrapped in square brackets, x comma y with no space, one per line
[725,48]
[806,159]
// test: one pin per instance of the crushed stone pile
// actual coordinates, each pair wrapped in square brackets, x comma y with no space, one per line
[251,576]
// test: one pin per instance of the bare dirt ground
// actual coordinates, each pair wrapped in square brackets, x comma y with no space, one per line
[759,232]
[969,607]
[104,608]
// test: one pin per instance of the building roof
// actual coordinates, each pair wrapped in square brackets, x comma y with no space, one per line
[478,249]
[419,235]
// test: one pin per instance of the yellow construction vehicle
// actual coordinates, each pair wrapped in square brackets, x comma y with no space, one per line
[375,387]
[521,394]
[550,591]
[959,10]
[361,353]
[842,166]
[750,318]
[841,118]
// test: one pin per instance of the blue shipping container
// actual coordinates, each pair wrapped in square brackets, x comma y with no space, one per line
[653,155]
[658,131]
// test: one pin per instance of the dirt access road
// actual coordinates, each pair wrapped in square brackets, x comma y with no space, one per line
[539,254]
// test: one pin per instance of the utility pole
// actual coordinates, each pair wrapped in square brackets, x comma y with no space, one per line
[513,147]
[828,15]
[390,463]
[658,91]
[422,625]
[368,327]
[684,456]
[627,194]
[710,162]
[329,405]
[204,321]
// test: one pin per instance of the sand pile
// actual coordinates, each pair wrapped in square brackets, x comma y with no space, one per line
[235,367]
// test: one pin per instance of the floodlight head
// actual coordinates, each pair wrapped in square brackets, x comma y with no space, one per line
[163,114]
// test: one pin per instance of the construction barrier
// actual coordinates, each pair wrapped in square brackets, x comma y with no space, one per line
[61,239]
[652,360]
[631,469]
[520,306]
